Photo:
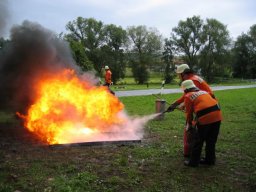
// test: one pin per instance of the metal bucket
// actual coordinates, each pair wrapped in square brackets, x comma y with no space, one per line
[160,108]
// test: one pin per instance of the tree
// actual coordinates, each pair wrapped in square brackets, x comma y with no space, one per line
[3,43]
[168,58]
[241,56]
[103,45]
[187,39]
[3,50]
[145,46]
[204,46]
[245,55]
[252,34]
[79,55]
[215,50]
[113,51]
[89,32]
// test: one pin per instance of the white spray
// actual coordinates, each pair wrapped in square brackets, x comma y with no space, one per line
[132,129]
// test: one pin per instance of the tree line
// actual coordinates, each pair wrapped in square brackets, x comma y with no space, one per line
[203,44]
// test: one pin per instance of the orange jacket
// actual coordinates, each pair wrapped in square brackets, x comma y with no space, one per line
[200,83]
[203,106]
[108,75]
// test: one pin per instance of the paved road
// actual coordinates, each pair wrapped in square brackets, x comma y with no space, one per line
[169,91]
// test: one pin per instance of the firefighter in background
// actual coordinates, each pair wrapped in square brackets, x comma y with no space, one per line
[185,73]
[108,79]
[203,115]
[108,75]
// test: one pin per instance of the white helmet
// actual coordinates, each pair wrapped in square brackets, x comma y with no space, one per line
[106,67]
[187,84]
[181,68]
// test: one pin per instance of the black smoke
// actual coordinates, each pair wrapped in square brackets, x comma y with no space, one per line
[32,53]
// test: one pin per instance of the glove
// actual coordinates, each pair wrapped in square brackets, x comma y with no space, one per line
[172,107]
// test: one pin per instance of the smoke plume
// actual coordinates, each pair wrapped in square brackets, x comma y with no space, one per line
[33,53]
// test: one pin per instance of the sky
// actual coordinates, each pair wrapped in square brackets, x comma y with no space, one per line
[237,15]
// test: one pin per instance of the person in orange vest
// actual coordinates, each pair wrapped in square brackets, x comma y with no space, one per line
[108,79]
[185,73]
[108,76]
[204,115]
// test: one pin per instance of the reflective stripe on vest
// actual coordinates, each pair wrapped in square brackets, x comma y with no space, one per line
[197,94]
[207,110]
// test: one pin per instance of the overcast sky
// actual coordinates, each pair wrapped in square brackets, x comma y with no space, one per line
[238,15]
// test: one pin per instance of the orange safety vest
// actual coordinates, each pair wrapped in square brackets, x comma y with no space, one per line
[203,106]
[108,76]
[200,83]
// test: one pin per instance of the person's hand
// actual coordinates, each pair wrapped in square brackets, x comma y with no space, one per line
[171,107]
[181,107]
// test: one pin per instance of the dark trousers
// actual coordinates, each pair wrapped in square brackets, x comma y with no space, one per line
[108,85]
[188,141]
[208,134]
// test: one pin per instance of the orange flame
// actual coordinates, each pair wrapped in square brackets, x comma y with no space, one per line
[67,107]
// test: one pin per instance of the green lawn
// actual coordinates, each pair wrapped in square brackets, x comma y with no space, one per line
[154,83]
[155,165]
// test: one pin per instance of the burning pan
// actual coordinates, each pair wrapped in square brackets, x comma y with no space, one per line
[97,143]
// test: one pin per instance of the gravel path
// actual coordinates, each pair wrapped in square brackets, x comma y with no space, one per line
[169,91]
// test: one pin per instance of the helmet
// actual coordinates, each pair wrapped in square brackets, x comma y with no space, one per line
[181,68]
[187,84]
[106,67]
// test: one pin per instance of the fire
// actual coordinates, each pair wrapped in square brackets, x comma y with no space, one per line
[67,108]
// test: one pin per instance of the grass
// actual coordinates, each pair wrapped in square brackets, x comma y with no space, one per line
[155,165]
[154,83]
